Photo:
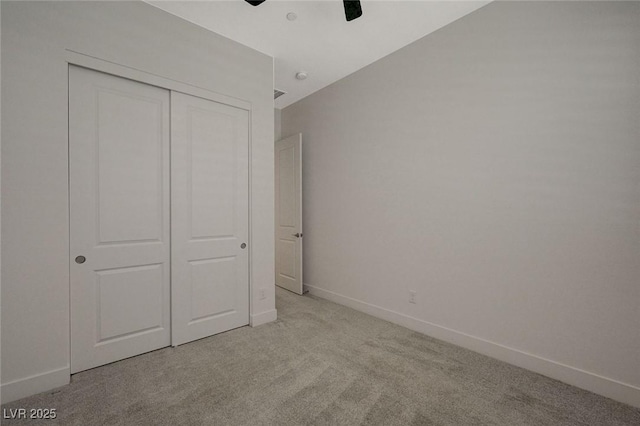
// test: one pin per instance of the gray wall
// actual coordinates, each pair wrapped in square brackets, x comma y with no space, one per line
[277,124]
[35,221]
[494,168]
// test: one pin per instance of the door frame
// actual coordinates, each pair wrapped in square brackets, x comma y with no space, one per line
[112,68]
[107,67]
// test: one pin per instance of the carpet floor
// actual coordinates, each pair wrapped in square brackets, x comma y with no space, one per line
[320,364]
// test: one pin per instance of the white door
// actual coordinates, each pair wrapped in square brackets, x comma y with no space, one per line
[119,218]
[209,217]
[288,158]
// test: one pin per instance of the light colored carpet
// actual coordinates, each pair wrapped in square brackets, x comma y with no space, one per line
[321,364]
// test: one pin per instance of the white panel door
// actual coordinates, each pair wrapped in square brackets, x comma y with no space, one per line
[119,218]
[288,157]
[210,217]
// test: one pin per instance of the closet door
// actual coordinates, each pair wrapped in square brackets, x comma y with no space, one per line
[210,217]
[119,218]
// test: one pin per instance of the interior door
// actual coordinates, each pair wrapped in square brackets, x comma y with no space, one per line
[119,218]
[210,217]
[288,157]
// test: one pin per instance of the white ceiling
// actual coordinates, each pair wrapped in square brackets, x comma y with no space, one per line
[320,41]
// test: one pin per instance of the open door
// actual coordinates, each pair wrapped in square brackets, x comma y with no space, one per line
[288,156]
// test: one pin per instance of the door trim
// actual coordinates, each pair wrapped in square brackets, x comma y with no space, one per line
[108,67]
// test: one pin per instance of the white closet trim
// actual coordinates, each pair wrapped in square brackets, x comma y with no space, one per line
[118,70]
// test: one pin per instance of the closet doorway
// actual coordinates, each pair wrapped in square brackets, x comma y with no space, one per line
[159,215]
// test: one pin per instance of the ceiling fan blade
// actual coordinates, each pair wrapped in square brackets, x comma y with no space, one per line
[255,2]
[352,9]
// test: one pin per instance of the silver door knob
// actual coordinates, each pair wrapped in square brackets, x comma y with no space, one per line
[243,245]
[80,259]
[297,235]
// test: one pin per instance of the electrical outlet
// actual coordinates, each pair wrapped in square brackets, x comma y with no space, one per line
[262,294]
[412,296]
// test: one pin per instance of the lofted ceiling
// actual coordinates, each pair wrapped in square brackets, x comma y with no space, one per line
[320,42]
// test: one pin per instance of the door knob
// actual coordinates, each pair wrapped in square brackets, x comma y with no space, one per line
[243,245]
[80,259]
[297,235]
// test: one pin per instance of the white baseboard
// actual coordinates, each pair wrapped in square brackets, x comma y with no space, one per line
[595,383]
[37,383]
[263,318]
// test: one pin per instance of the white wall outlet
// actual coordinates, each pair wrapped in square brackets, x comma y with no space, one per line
[412,296]
[262,294]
